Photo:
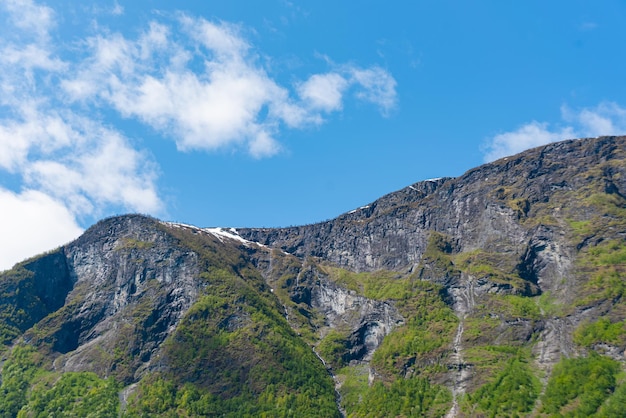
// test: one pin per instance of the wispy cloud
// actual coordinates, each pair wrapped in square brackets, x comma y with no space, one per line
[605,119]
[527,136]
[377,86]
[32,19]
[324,91]
[200,83]
[117,9]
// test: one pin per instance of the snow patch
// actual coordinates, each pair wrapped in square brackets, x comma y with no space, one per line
[357,209]
[220,233]
[228,233]
[181,225]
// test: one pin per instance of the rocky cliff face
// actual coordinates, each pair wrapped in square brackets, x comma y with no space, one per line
[485,208]
[515,215]
[124,283]
[436,290]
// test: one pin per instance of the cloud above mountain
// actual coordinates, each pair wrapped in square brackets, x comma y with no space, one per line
[197,82]
[201,84]
[605,119]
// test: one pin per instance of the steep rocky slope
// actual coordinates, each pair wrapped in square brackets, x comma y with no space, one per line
[471,296]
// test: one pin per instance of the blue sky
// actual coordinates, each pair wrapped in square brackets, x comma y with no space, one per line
[277,113]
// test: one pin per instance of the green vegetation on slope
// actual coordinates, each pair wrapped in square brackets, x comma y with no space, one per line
[413,397]
[513,391]
[17,304]
[18,372]
[410,397]
[332,348]
[81,394]
[424,341]
[234,350]
[234,354]
[601,331]
[579,386]
[415,355]
[408,359]
[29,390]
[605,265]
[285,277]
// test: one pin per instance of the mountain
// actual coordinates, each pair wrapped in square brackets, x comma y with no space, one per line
[498,293]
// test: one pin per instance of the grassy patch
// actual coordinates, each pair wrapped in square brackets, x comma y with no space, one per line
[234,345]
[379,285]
[134,244]
[521,307]
[580,228]
[601,331]
[605,265]
[354,386]
[495,267]
[18,372]
[480,328]
[548,305]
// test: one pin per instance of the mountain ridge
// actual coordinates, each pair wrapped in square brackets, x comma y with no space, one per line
[437,298]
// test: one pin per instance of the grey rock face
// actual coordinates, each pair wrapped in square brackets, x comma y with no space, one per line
[484,208]
[132,283]
[516,208]
[368,320]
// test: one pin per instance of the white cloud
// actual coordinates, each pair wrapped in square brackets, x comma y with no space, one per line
[32,222]
[35,132]
[324,91]
[150,79]
[33,19]
[222,39]
[71,165]
[605,119]
[531,135]
[97,169]
[263,145]
[204,87]
[25,48]
[376,86]
[79,162]
[31,57]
